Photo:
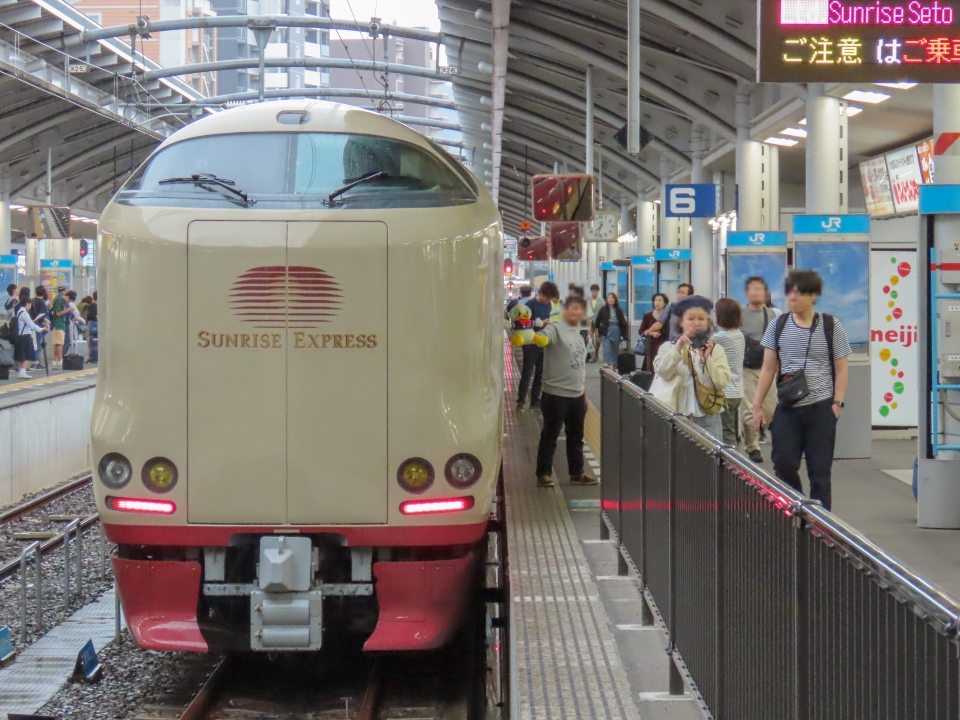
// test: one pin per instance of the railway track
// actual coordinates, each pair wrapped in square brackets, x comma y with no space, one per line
[10,562]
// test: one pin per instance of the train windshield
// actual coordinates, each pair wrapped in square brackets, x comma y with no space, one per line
[298,170]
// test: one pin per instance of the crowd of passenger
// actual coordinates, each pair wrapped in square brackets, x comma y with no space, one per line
[735,371]
[34,322]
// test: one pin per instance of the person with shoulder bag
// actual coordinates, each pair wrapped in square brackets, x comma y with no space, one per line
[693,372]
[756,317]
[806,352]
[24,352]
[613,327]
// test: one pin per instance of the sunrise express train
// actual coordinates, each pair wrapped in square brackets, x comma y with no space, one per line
[297,425]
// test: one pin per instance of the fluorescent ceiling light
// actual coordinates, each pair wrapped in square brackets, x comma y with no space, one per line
[802,122]
[853,110]
[866,96]
[898,86]
[794,132]
[785,142]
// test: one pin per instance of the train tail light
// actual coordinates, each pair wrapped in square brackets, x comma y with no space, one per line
[432,507]
[136,505]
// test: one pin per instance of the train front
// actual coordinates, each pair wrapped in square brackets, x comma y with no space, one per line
[297,424]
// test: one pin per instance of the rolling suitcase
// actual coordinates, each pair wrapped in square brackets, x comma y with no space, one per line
[626,360]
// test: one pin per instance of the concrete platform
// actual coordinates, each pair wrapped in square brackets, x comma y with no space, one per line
[41,669]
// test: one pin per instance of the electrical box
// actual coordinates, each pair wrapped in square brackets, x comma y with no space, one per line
[948,337]
[949,261]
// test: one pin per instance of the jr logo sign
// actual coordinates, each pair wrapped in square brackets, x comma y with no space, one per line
[691,200]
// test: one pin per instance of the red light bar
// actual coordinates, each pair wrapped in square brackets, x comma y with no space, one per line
[430,507]
[156,507]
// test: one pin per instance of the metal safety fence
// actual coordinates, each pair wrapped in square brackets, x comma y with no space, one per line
[774,608]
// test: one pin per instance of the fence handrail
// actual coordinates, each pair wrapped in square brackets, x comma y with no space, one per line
[930,600]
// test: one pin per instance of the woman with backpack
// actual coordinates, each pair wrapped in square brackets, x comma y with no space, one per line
[24,352]
[693,371]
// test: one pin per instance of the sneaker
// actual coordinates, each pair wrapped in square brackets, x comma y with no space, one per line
[534,404]
[22,375]
[519,405]
[545,481]
[756,456]
[584,479]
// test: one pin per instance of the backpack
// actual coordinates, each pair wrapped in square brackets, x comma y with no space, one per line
[753,351]
[828,324]
[8,331]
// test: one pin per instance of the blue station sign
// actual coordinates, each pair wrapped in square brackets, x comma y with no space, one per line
[759,239]
[939,199]
[692,201]
[831,224]
[675,255]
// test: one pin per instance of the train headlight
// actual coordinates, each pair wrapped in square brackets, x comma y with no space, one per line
[416,475]
[463,470]
[159,475]
[114,470]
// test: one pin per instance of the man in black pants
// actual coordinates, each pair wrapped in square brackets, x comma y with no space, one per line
[564,397]
[540,308]
[801,343]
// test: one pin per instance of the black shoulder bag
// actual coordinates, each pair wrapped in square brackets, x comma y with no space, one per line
[791,389]
[753,352]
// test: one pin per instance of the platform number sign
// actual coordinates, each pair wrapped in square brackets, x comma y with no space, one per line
[692,201]
[859,41]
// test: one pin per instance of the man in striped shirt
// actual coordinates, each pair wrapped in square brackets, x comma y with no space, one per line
[800,343]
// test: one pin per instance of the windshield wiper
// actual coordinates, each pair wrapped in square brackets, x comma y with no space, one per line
[331,198]
[204,179]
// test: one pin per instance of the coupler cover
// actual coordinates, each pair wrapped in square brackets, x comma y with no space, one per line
[286,621]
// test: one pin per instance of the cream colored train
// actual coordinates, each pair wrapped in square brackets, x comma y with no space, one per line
[297,427]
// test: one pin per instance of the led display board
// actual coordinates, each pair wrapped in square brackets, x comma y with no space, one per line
[859,41]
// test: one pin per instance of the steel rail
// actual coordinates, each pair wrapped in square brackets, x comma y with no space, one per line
[927,596]
[22,509]
[13,566]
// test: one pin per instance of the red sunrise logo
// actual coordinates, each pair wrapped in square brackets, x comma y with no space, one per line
[299,296]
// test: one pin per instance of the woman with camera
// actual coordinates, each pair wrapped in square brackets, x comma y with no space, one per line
[692,372]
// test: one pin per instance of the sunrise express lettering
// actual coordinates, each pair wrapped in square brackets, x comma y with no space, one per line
[299,340]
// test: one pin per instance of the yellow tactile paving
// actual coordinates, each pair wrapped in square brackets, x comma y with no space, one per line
[46,380]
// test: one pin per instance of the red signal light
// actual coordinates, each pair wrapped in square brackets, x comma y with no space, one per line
[83,248]
[431,507]
[154,507]
[507,267]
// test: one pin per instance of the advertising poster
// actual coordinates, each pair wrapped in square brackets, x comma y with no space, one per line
[644,286]
[903,169]
[894,316]
[845,270]
[772,267]
[56,273]
[876,187]
[925,154]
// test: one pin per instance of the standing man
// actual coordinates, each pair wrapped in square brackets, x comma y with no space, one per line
[812,351]
[540,308]
[594,304]
[58,314]
[671,321]
[756,318]
[564,393]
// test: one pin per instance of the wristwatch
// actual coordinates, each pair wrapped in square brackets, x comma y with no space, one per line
[840,403]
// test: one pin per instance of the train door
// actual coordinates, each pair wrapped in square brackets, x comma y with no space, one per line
[337,373]
[236,374]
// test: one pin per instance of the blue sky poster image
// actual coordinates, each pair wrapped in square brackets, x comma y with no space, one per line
[845,270]
[772,267]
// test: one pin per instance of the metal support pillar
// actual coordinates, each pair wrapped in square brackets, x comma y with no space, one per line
[5,221]
[262,37]
[646,226]
[633,76]
[749,183]
[49,176]
[588,139]
[702,259]
[826,161]
[669,228]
